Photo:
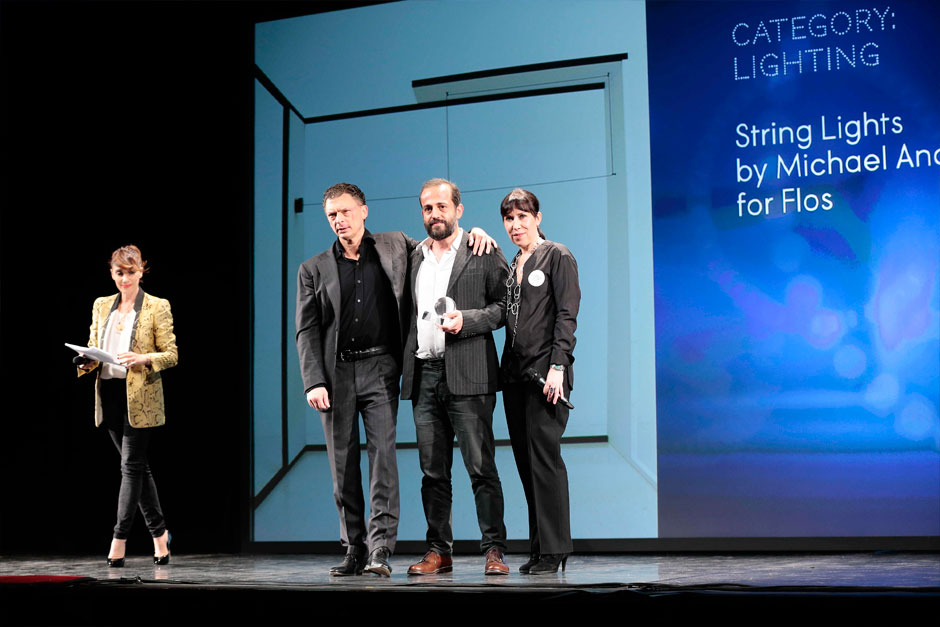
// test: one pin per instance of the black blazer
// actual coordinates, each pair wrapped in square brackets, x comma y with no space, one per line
[478,286]
[318,303]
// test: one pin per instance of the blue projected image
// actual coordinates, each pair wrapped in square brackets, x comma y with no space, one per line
[752,192]
[798,365]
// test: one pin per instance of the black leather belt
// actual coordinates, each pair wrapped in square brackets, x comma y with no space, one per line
[436,363]
[351,355]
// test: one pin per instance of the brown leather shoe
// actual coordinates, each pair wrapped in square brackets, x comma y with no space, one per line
[431,564]
[494,563]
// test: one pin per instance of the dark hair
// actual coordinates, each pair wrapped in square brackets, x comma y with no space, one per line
[129,259]
[454,190]
[335,191]
[523,200]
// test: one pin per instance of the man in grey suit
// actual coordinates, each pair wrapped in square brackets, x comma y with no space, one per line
[449,372]
[349,337]
[351,302]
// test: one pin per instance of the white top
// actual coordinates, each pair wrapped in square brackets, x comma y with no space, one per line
[117,339]
[433,277]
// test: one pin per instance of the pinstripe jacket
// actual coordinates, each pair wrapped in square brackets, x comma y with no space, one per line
[478,286]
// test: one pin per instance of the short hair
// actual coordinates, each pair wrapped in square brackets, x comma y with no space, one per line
[335,191]
[129,259]
[454,190]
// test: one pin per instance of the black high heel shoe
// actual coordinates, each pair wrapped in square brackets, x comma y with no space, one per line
[548,564]
[115,562]
[163,560]
[533,560]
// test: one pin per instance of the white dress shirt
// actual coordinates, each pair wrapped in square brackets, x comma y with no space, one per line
[433,277]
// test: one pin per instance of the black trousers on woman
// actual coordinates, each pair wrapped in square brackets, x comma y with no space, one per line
[535,430]
[138,489]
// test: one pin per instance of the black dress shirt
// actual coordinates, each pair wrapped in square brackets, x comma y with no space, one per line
[542,333]
[368,313]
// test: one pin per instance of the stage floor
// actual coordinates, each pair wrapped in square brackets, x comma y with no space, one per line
[289,589]
[868,570]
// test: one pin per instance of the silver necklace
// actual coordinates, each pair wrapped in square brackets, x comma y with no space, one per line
[514,290]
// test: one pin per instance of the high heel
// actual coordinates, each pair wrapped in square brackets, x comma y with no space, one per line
[116,562]
[548,564]
[163,560]
[533,560]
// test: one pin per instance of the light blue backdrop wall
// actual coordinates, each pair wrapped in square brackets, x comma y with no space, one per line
[366,58]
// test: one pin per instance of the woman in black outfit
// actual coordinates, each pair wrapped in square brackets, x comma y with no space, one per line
[542,303]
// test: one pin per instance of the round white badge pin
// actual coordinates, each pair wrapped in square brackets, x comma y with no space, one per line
[536,278]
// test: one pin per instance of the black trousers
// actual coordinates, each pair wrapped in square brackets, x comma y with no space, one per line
[439,416]
[535,430]
[138,489]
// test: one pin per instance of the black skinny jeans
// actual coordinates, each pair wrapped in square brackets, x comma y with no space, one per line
[137,486]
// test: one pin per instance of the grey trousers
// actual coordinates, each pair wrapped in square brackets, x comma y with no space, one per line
[369,388]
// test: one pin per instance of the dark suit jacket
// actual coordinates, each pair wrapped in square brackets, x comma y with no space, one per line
[318,303]
[478,286]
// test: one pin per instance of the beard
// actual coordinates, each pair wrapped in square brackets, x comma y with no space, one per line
[441,233]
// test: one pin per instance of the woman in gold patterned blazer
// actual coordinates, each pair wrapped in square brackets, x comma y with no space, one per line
[138,329]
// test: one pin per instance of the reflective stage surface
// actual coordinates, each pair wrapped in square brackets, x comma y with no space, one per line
[290,589]
[888,569]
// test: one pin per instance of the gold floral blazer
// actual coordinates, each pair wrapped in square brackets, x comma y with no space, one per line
[152,336]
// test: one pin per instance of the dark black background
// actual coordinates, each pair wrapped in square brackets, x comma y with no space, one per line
[126,122]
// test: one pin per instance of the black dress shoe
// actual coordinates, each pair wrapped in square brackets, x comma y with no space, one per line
[352,565]
[533,560]
[548,564]
[116,562]
[378,562]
